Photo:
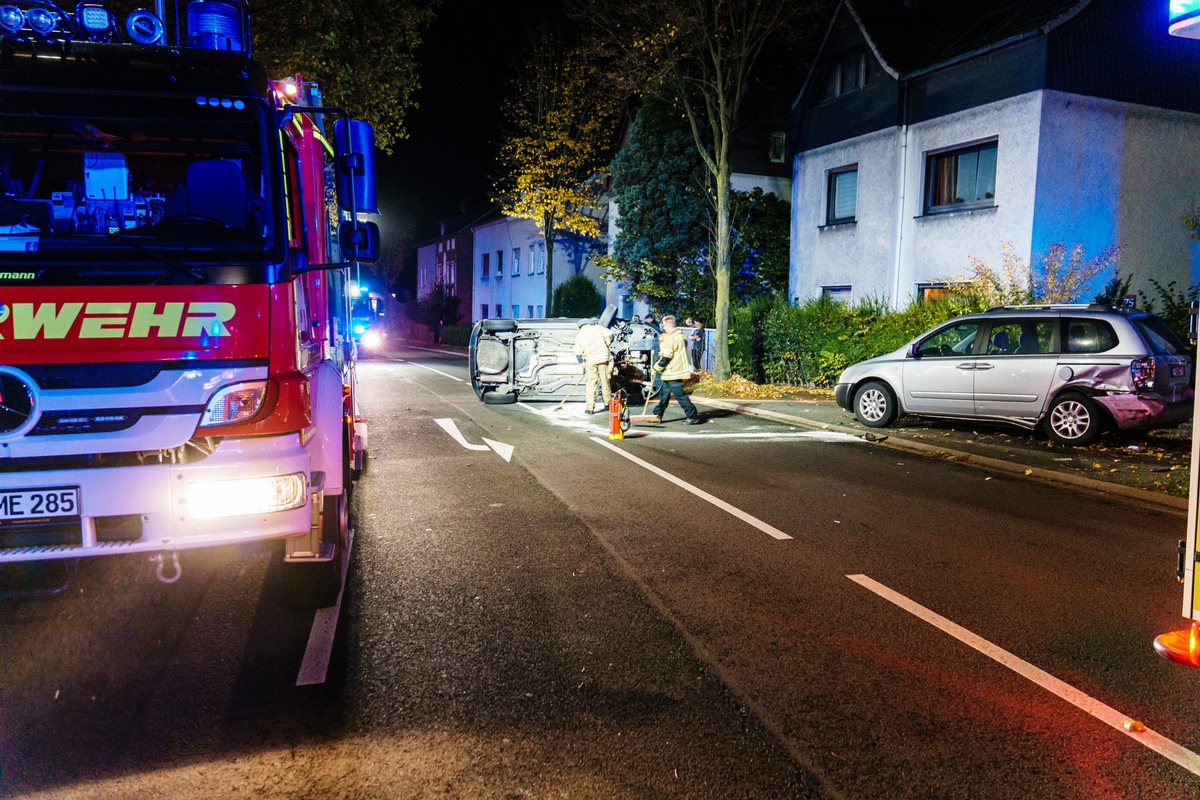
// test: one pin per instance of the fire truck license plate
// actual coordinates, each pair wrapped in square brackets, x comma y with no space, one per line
[60,501]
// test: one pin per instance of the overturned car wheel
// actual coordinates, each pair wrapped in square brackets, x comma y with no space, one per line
[496,325]
[499,398]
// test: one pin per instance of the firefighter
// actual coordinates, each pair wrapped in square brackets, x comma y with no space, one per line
[592,350]
[676,367]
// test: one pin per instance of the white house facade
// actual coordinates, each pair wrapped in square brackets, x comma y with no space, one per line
[510,268]
[902,171]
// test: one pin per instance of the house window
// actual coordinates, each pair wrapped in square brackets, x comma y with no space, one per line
[964,177]
[516,311]
[485,264]
[531,312]
[541,260]
[539,312]
[777,151]
[847,75]
[516,267]
[483,311]
[498,311]
[843,195]
[840,294]
[499,263]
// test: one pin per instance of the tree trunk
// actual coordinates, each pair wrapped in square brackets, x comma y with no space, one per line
[721,257]
[548,234]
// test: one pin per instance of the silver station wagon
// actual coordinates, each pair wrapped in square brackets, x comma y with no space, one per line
[1074,370]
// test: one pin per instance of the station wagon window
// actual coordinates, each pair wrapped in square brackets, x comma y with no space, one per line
[1021,337]
[1162,339]
[1089,336]
[956,341]
[962,177]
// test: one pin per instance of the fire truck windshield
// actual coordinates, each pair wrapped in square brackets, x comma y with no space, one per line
[134,180]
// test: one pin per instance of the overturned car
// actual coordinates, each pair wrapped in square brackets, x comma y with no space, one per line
[534,359]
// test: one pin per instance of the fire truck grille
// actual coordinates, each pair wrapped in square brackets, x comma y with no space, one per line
[94,376]
[101,420]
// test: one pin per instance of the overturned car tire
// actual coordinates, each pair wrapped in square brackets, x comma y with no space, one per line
[494,325]
[499,398]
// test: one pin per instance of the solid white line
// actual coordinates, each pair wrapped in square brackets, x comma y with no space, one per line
[431,369]
[315,665]
[1156,742]
[770,530]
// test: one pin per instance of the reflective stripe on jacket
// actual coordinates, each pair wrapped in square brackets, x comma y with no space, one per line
[674,344]
[592,344]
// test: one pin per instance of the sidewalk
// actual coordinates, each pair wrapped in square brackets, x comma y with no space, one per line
[1151,467]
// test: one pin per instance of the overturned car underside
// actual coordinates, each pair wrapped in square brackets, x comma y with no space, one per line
[534,359]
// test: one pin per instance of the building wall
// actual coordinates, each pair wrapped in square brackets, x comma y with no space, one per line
[426,265]
[527,290]
[893,246]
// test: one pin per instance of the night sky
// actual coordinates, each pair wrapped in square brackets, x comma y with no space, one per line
[449,159]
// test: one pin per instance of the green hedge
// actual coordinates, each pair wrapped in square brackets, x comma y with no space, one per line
[772,341]
[456,335]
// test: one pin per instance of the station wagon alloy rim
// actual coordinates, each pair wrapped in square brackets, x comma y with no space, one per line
[1070,419]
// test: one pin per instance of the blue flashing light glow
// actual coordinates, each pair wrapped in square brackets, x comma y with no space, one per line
[1185,18]
[200,101]
[360,329]
[239,105]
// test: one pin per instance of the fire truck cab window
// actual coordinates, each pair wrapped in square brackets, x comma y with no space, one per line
[137,178]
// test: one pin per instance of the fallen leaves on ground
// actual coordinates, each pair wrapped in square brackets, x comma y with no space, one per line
[737,386]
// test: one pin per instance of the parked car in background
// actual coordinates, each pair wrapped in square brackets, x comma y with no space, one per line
[1073,370]
[534,359]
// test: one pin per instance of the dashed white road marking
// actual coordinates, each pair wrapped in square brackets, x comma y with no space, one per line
[1156,742]
[315,666]
[431,369]
[766,528]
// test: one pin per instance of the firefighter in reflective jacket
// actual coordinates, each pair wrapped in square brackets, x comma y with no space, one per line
[676,367]
[592,349]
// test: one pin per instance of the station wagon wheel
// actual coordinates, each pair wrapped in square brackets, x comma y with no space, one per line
[875,405]
[1073,420]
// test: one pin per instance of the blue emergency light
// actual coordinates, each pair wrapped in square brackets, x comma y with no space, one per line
[1185,18]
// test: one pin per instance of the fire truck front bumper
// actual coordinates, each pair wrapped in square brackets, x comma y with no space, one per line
[246,490]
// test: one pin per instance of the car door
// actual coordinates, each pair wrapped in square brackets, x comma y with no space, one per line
[1012,382]
[938,379]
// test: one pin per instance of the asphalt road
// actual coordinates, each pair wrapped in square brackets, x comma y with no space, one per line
[740,609]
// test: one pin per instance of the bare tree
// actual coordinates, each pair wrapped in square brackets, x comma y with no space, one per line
[700,55]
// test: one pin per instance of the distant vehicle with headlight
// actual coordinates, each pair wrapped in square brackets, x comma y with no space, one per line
[177,233]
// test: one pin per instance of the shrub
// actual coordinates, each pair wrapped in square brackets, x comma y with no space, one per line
[577,296]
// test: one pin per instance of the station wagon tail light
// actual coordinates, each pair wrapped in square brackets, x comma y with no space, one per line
[236,403]
[1180,646]
[1142,372]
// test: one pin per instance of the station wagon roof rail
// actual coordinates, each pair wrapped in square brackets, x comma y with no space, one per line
[1054,307]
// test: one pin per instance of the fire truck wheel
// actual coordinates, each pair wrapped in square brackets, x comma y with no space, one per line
[499,398]
[316,585]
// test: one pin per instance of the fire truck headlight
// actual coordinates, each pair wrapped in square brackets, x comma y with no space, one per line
[235,403]
[250,497]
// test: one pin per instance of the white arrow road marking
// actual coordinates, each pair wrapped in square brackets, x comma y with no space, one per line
[503,450]
[1110,716]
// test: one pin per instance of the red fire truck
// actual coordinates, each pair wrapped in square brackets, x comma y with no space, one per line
[177,234]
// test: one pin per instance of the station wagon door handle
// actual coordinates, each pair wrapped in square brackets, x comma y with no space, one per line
[967,365]
[985,366]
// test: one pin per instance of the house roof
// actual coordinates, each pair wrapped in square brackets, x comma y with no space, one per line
[913,35]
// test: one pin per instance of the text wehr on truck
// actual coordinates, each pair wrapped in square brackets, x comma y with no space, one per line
[177,240]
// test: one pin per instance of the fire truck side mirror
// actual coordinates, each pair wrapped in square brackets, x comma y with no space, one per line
[359,241]
[355,143]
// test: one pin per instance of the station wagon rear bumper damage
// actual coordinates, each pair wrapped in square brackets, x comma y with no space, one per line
[1138,411]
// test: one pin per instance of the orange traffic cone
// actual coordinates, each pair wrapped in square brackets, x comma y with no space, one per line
[614,417]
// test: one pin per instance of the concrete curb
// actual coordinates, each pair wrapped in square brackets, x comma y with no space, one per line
[999,465]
